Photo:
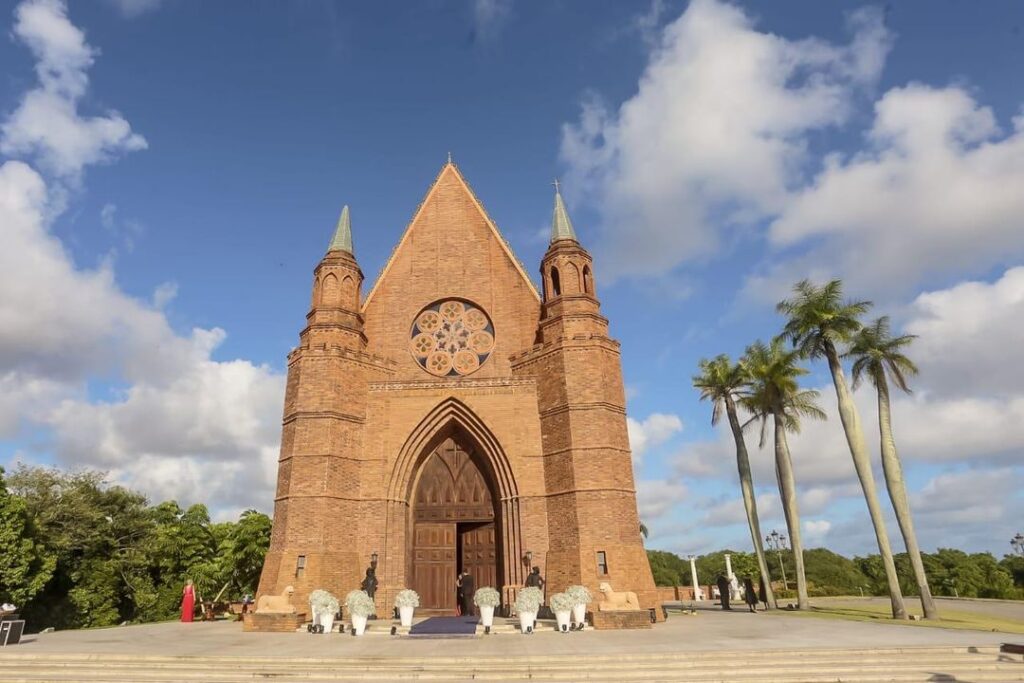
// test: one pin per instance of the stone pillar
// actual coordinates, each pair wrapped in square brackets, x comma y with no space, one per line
[693,578]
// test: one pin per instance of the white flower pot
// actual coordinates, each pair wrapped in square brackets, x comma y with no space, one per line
[526,620]
[487,615]
[405,614]
[327,621]
[562,619]
[579,615]
[358,624]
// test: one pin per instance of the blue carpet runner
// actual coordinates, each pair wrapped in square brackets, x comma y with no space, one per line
[445,626]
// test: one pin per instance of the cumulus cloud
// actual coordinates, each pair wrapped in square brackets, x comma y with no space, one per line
[654,430]
[715,136]
[176,422]
[970,337]
[46,124]
[944,186]
[656,498]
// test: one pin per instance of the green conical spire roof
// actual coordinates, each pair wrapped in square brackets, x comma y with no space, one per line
[561,226]
[343,234]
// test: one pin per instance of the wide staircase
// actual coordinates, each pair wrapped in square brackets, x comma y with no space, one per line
[943,664]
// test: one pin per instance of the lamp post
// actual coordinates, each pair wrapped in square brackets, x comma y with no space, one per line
[1018,543]
[777,542]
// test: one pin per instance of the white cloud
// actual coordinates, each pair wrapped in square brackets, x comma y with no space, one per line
[970,337]
[944,187]
[133,8]
[816,529]
[184,425]
[656,498]
[654,430]
[489,17]
[46,124]
[714,137]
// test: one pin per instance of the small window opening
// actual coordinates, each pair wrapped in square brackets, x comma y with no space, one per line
[300,566]
[556,284]
[588,284]
[602,563]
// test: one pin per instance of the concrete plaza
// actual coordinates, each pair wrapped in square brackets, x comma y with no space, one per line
[707,631]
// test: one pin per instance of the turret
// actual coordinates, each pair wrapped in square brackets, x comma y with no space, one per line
[334,317]
[567,271]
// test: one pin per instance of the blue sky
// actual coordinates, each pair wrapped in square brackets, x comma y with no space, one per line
[172,172]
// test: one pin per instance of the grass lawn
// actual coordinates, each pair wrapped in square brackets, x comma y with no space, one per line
[881,613]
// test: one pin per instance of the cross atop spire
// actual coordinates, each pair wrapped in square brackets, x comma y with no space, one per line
[343,233]
[449,157]
[561,226]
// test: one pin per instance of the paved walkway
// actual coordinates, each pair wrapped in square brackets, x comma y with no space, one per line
[706,631]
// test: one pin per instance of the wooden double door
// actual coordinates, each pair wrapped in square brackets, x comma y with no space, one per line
[453,528]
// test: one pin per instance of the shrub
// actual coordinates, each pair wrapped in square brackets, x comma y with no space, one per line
[487,597]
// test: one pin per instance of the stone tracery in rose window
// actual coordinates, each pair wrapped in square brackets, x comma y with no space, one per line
[451,338]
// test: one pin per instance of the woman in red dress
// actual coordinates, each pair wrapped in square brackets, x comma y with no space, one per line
[188,601]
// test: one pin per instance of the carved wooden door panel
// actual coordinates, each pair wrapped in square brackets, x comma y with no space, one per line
[478,553]
[434,566]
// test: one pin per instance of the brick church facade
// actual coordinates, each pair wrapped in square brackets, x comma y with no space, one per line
[455,418]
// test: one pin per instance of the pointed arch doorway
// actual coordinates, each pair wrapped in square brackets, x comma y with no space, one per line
[455,526]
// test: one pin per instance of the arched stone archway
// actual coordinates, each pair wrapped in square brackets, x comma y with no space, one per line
[453,503]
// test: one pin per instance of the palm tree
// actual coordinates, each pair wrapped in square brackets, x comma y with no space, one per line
[819,322]
[643,530]
[774,392]
[879,356]
[721,381]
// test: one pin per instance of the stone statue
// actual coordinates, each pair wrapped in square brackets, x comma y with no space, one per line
[276,604]
[613,600]
[534,579]
[369,584]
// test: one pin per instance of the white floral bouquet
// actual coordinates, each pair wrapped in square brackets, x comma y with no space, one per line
[562,602]
[579,594]
[407,598]
[487,597]
[529,600]
[359,604]
[323,602]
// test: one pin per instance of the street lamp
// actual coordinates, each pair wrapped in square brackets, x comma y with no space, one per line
[777,542]
[373,560]
[1018,543]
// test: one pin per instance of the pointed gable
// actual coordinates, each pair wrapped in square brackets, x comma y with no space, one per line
[452,249]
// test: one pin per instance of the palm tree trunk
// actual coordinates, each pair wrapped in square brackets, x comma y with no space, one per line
[862,463]
[749,499]
[787,491]
[898,495]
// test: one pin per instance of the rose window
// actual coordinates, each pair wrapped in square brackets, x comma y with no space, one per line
[451,338]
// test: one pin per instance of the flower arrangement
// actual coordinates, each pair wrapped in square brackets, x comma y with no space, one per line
[407,598]
[487,597]
[323,602]
[529,599]
[562,602]
[359,604]
[579,594]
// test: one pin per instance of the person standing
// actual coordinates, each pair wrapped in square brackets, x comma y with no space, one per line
[750,594]
[762,594]
[723,590]
[468,590]
[188,601]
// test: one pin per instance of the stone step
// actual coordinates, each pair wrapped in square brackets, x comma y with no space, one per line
[680,657]
[440,670]
[916,676]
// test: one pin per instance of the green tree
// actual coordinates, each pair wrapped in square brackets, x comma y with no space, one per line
[27,566]
[720,381]
[667,568]
[775,392]
[243,551]
[819,322]
[879,357]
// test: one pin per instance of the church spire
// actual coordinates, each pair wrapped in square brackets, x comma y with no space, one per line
[561,226]
[343,234]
